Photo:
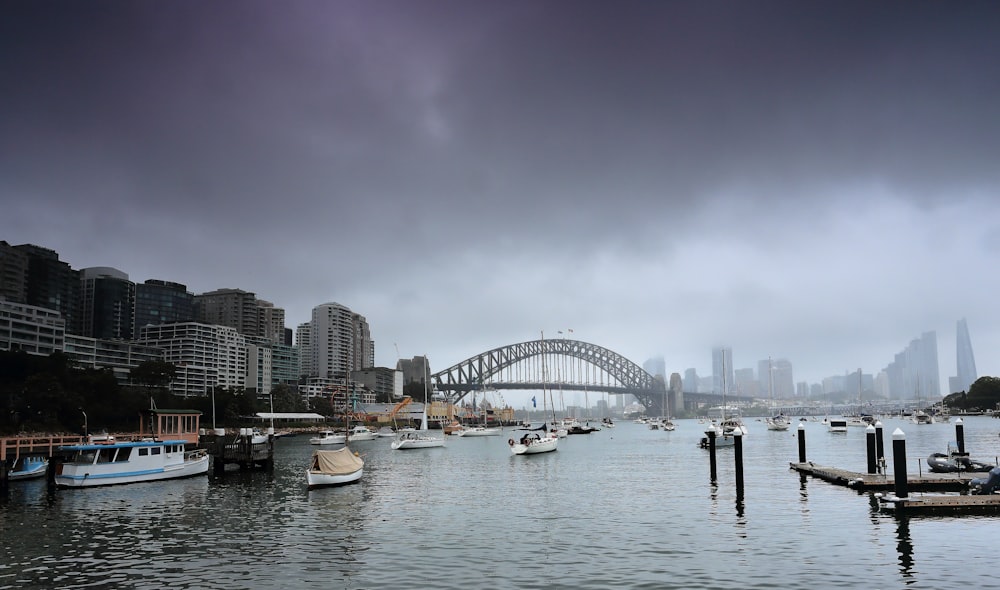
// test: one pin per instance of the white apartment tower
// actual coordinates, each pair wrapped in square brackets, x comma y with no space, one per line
[339,342]
[206,356]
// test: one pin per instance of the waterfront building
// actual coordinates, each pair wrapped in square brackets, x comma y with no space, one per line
[119,356]
[385,383]
[259,368]
[162,302]
[107,302]
[206,356]
[30,328]
[415,370]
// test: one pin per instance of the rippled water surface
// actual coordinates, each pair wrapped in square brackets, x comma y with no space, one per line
[625,507]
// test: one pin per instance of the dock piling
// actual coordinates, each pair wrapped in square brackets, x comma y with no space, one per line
[960,435]
[802,443]
[872,452]
[899,462]
[738,454]
[710,433]
[879,446]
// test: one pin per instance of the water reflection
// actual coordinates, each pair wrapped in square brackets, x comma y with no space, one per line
[904,546]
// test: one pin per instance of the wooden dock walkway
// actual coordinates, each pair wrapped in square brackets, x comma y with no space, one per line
[961,502]
[867,482]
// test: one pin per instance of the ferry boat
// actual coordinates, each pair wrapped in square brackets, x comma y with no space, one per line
[115,463]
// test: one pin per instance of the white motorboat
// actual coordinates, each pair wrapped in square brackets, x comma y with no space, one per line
[386,432]
[328,437]
[922,417]
[478,431]
[360,432]
[668,425]
[334,468]
[837,425]
[128,462]
[415,440]
[533,443]
[28,468]
[778,422]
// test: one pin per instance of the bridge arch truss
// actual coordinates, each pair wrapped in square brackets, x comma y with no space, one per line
[563,363]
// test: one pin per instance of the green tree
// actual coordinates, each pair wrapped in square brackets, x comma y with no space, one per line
[984,393]
[153,374]
[287,399]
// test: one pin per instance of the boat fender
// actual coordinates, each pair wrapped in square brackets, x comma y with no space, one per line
[510,441]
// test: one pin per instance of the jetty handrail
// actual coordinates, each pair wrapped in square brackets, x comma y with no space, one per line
[13,447]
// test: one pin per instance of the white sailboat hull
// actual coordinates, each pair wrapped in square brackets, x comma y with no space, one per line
[534,446]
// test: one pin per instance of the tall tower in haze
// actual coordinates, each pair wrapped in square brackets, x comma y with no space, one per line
[966,361]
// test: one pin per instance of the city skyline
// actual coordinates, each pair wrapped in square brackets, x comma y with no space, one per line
[810,181]
[244,311]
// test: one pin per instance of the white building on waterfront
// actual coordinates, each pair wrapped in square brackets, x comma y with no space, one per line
[206,356]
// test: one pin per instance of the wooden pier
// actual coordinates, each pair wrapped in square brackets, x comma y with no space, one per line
[940,504]
[868,482]
[243,450]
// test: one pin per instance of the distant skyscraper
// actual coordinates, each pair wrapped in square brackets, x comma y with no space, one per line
[656,366]
[966,361]
[914,373]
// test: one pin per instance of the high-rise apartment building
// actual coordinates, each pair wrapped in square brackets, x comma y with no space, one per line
[52,284]
[303,342]
[966,361]
[162,302]
[206,356]
[340,342]
[30,328]
[107,302]
[13,274]
[229,307]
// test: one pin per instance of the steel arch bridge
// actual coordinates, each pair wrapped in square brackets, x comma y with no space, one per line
[567,364]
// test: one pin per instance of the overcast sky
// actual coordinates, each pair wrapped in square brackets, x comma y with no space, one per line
[816,181]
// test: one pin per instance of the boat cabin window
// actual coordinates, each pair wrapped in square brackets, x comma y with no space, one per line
[106,455]
[85,457]
[154,451]
[143,452]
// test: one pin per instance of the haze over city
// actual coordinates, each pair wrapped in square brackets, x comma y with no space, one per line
[811,181]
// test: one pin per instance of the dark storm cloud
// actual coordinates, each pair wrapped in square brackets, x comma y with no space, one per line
[431,159]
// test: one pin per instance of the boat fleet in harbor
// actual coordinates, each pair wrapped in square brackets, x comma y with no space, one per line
[104,461]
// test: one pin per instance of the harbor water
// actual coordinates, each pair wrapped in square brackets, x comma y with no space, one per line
[627,507]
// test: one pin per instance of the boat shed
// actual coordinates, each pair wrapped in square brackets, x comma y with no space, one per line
[170,424]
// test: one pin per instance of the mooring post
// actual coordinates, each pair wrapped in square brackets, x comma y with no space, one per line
[872,451]
[802,443]
[960,435]
[899,462]
[710,433]
[879,447]
[4,474]
[738,454]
